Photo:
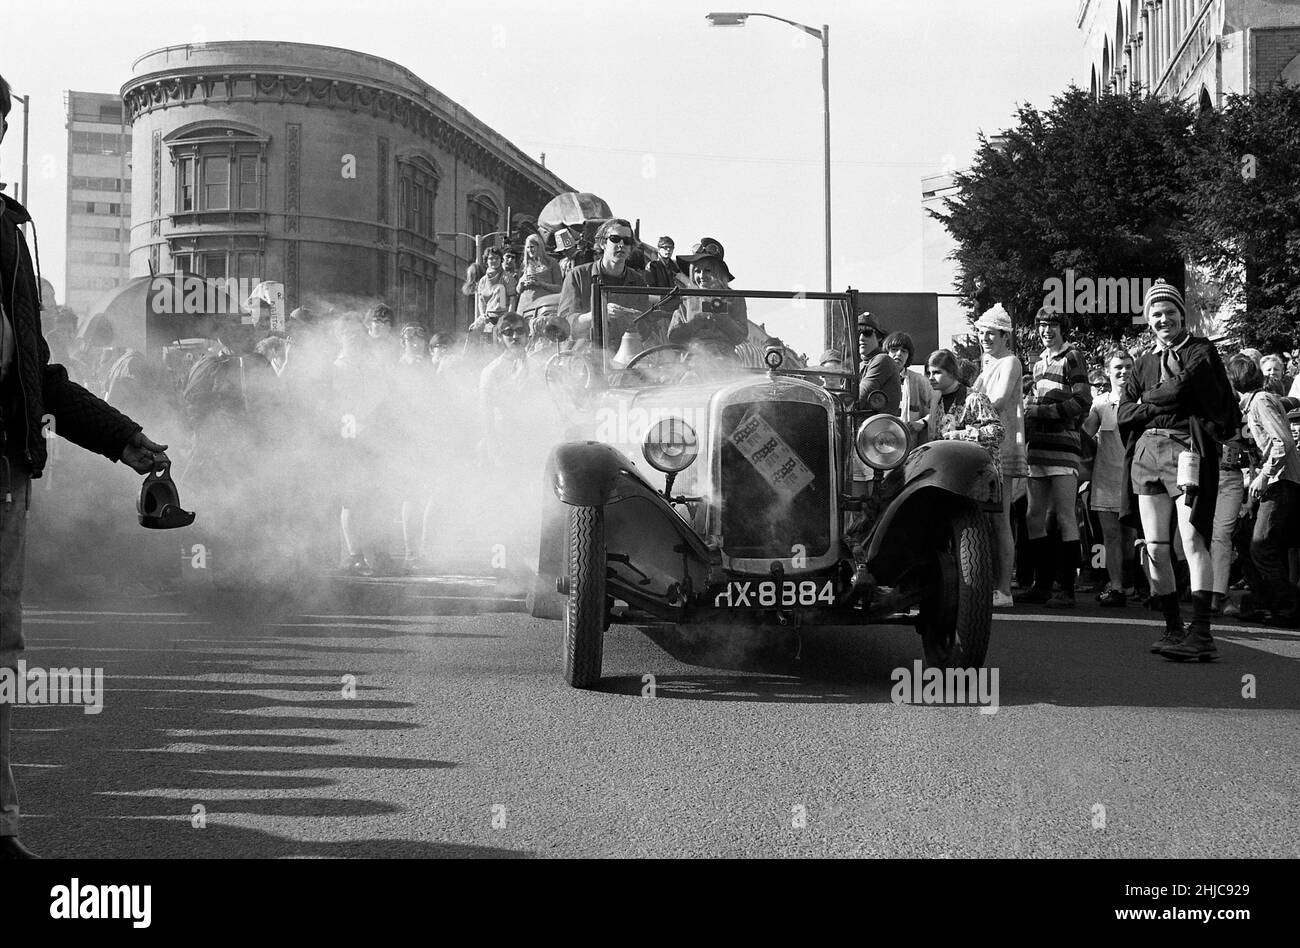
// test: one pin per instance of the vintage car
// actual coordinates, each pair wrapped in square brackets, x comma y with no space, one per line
[700,492]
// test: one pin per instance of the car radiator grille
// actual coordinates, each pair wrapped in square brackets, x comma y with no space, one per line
[758,519]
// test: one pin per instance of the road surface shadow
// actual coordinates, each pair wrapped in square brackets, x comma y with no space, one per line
[1071,663]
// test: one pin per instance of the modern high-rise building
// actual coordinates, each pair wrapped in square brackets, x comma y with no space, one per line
[99,197]
[938,271]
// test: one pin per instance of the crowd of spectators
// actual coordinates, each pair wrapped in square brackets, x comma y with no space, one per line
[1092,447]
[1158,475]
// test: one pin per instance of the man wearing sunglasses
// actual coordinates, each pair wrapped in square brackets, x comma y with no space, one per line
[614,243]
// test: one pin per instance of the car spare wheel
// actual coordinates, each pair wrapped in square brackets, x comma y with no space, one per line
[956,613]
[585,612]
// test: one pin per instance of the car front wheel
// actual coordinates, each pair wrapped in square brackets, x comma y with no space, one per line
[584,614]
[956,615]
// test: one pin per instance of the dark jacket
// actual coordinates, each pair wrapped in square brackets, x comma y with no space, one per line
[662,274]
[35,388]
[1199,401]
[881,375]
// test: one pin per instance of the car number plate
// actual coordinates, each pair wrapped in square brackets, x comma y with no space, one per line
[768,593]
[771,456]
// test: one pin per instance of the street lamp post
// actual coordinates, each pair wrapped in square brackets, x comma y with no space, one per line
[824,35]
[26,101]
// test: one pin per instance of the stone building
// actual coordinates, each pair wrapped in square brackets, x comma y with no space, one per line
[1193,50]
[328,170]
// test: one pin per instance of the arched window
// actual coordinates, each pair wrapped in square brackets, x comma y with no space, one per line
[1205,104]
[1121,54]
[220,166]
[484,215]
[418,176]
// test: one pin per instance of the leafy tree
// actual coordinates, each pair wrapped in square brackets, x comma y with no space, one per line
[1242,212]
[1092,186]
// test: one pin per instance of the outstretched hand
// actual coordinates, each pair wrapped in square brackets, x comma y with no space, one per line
[140,454]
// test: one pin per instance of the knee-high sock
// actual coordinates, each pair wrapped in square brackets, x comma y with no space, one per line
[1068,558]
[1042,552]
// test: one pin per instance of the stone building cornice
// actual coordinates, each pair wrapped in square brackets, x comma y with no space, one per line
[325,88]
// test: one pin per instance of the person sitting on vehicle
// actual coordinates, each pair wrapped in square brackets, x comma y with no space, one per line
[492,296]
[958,412]
[614,242]
[879,371]
[538,277]
[715,325]
[663,271]
[510,274]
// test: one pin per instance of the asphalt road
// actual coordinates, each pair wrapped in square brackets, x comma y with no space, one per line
[233,730]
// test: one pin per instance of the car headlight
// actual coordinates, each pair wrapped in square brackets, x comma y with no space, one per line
[882,442]
[671,445]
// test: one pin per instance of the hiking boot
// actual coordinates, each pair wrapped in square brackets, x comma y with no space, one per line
[1198,645]
[1034,595]
[1112,598]
[1174,631]
[1284,620]
[1061,600]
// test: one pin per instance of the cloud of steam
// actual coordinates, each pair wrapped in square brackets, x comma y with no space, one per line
[267,460]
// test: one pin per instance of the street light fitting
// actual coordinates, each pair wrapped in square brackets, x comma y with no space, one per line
[738,19]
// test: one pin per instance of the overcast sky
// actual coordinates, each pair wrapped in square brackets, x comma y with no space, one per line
[693,129]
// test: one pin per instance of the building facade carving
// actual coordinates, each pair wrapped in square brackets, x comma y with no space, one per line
[329,170]
[1198,51]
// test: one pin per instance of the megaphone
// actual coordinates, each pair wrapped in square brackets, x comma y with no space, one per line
[159,505]
[631,345]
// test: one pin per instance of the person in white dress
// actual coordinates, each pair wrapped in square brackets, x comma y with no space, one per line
[1107,496]
[1000,382]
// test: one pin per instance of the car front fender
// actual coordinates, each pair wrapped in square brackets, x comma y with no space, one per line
[652,550]
[939,478]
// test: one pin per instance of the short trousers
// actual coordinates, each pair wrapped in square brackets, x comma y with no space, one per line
[1155,466]
[1052,470]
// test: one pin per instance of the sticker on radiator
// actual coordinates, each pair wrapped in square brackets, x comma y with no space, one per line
[770,455]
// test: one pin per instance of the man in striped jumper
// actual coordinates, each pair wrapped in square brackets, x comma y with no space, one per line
[1054,411]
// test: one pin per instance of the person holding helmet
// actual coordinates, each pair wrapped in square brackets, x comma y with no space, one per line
[1054,410]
